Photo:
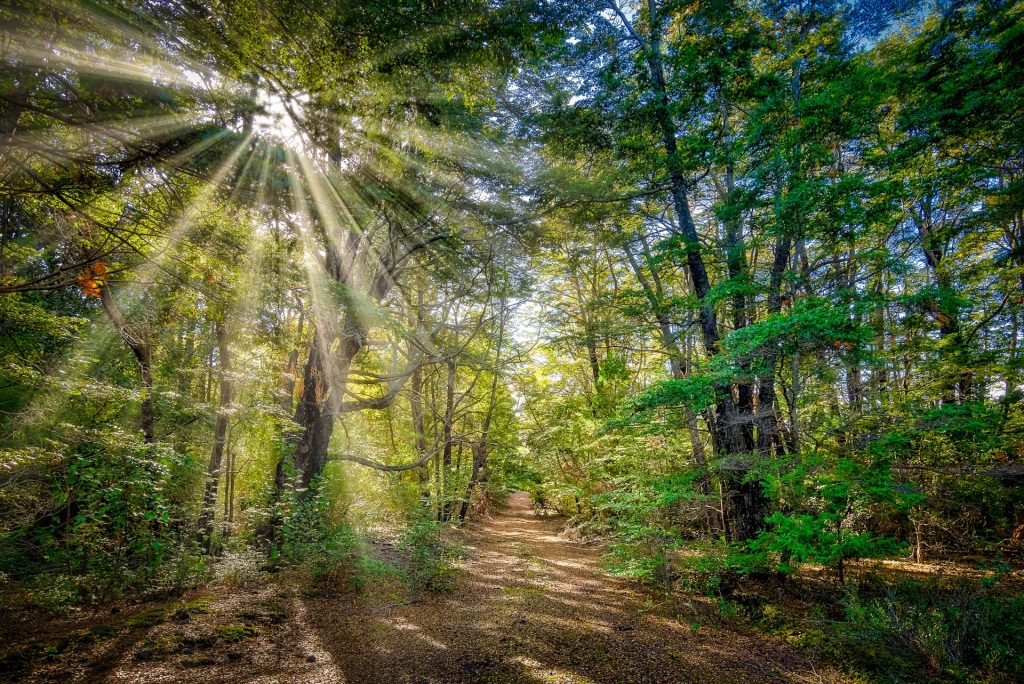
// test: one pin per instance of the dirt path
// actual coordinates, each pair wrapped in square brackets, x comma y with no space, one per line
[534,607]
[529,607]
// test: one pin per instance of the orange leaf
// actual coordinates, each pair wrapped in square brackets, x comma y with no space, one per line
[93,278]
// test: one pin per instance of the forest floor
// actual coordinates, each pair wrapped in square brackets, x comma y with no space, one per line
[531,607]
[528,606]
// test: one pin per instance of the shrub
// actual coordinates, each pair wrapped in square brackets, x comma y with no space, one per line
[104,525]
[333,553]
[940,629]
[714,568]
[642,562]
[831,496]
[432,558]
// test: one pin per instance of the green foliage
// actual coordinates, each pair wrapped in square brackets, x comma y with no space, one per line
[560,497]
[923,630]
[107,522]
[651,521]
[811,324]
[433,558]
[715,568]
[308,534]
[335,555]
[640,562]
[761,248]
[828,497]
[967,428]
[696,392]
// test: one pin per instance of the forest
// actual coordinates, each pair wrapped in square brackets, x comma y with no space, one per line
[512,341]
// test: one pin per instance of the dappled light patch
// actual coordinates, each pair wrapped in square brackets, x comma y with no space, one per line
[511,341]
[220,635]
[531,606]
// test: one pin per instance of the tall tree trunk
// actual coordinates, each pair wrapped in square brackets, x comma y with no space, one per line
[230,474]
[188,354]
[208,388]
[12,105]
[480,449]
[767,416]
[291,366]
[678,364]
[879,377]
[449,419]
[419,431]
[219,437]
[736,266]
[325,379]
[746,505]
[767,399]
[957,378]
[139,344]
[312,406]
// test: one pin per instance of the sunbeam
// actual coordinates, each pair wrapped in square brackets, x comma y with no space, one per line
[544,337]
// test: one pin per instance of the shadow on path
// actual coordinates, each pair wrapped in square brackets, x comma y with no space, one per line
[533,607]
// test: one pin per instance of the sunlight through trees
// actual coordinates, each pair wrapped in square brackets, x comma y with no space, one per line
[735,288]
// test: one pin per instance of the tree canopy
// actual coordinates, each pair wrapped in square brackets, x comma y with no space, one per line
[733,280]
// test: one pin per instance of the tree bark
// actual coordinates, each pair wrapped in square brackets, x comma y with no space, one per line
[139,345]
[746,505]
[220,433]
[957,382]
[480,449]
[324,382]
[678,364]
[767,416]
[325,377]
[292,365]
[419,430]
[449,419]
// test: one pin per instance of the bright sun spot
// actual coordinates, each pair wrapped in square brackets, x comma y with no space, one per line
[277,119]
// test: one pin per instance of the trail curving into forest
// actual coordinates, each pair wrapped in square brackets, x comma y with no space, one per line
[532,606]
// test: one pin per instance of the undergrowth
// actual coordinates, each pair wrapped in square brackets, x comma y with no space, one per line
[910,631]
[339,558]
[433,558]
